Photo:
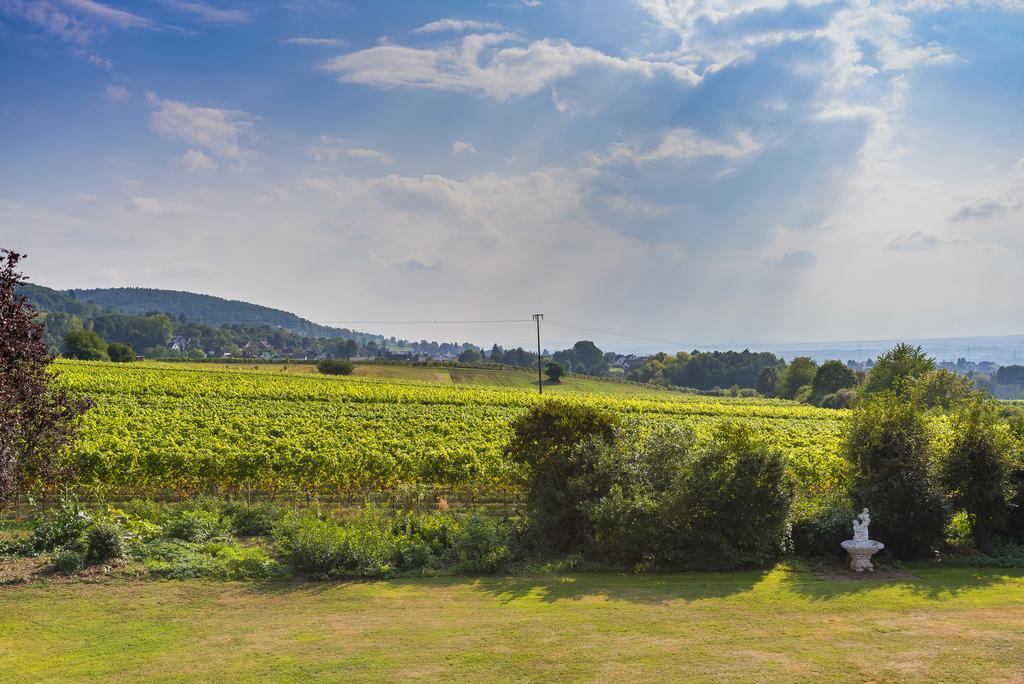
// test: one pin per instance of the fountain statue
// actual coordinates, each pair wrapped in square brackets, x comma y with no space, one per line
[861,548]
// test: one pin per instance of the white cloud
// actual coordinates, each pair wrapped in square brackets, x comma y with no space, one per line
[49,18]
[314,42]
[331,148]
[921,240]
[681,143]
[116,93]
[147,206]
[488,64]
[196,160]
[218,131]
[208,13]
[369,155]
[1004,200]
[458,26]
[110,15]
[462,147]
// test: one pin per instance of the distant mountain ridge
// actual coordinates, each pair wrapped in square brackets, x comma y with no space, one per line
[196,308]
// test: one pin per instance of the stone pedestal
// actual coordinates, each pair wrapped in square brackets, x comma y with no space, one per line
[861,553]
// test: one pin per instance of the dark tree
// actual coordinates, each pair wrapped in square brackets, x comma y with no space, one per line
[37,419]
[833,376]
[120,352]
[554,371]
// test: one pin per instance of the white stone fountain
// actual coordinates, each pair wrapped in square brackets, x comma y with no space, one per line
[860,547]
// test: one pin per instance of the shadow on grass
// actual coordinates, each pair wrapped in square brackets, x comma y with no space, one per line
[646,589]
[928,580]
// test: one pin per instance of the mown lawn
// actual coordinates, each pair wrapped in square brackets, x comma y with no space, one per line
[942,625]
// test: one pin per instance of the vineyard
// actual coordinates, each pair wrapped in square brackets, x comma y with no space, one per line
[199,429]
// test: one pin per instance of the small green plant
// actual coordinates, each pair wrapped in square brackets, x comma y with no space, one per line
[196,525]
[68,562]
[60,527]
[104,542]
[362,548]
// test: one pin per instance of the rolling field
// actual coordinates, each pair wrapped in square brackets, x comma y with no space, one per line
[933,625]
[192,428]
[518,378]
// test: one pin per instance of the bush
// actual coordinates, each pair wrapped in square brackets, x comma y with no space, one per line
[842,399]
[196,525]
[120,353]
[479,547]
[889,448]
[731,501]
[361,549]
[819,532]
[976,471]
[544,440]
[104,542]
[625,493]
[63,526]
[257,520]
[68,562]
[335,367]
[85,345]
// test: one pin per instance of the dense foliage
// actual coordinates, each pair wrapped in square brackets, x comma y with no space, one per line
[891,450]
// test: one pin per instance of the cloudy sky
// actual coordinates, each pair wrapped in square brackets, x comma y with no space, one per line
[667,170]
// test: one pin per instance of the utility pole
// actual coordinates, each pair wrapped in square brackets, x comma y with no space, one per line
[540,379]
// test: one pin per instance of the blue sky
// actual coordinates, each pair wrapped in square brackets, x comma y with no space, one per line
[686,171]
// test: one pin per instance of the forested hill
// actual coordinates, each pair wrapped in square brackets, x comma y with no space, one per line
[196,308]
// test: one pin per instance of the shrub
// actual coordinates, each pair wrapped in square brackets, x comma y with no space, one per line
[625,495]
[196,525]
[888,446]
[104,542]
[842,399]
[67,562]
[819,532]
[976,470]
[363,548]
[731,501]
[175,559]
[241,563]
[257,520]
[120,353]
[335,367]
[85,345]
[478,546]
[63,526]
[544,439]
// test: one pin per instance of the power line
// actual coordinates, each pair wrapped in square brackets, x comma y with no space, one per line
[509,320]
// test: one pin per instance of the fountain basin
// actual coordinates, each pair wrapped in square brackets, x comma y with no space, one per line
[861,553]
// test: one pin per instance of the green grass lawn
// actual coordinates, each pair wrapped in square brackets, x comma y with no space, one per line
[942,625]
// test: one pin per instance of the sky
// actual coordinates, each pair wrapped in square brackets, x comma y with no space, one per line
[652,173]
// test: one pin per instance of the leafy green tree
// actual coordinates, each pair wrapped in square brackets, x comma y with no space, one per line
[544,440]
[85,345]
[768,381]
[554,371]
[831,377]
[942,389]
[976,471]
[590,357]
[897,368]
[797,374]
[470,355]
[889,447]
[119,352]
[346,349]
